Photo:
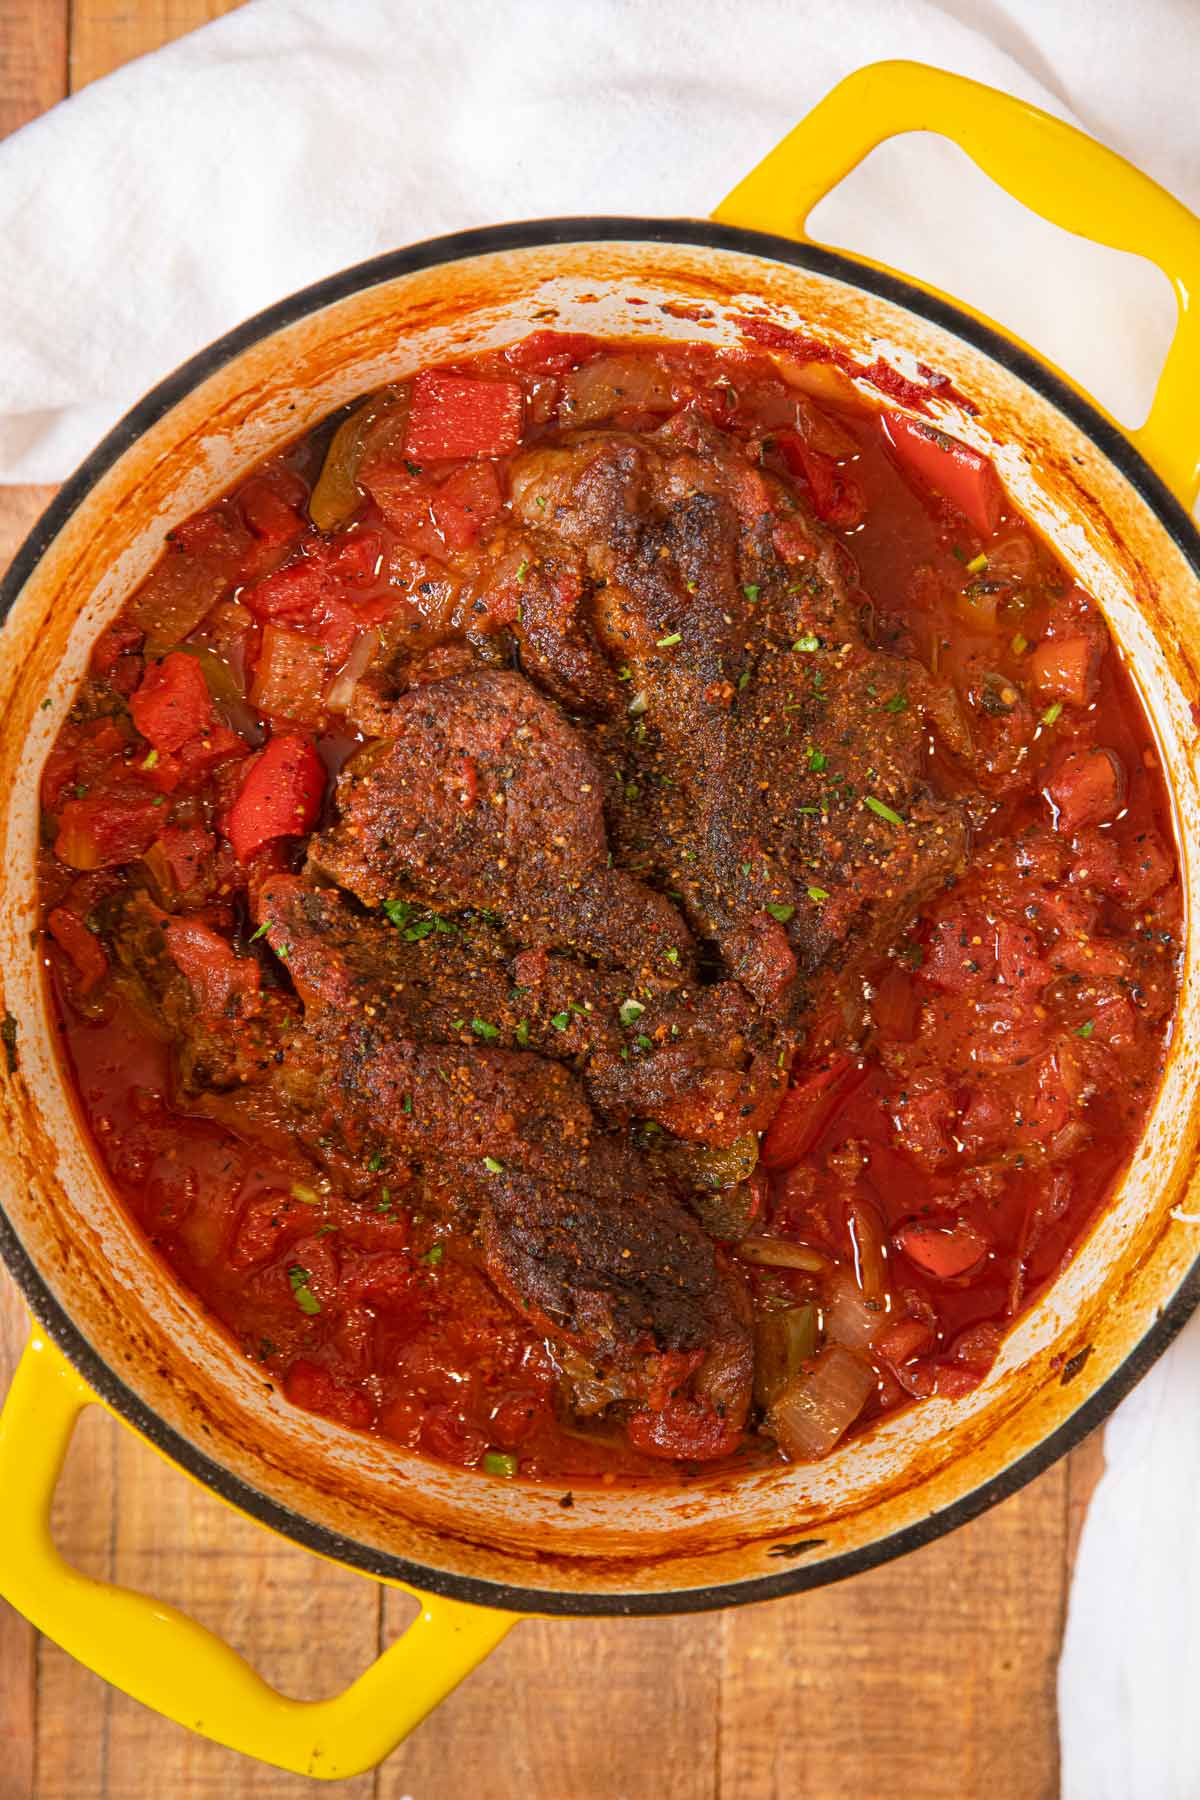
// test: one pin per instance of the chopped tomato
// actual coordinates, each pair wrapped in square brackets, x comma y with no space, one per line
[289,682]
[173,703]
[280,795]
[81,945]
[836,496]
[102,829]
[465,503]
[1065,668]
[1085,787]
[317,1391]
[683,1427]
[946,1252]
[462,415]
[552,352]
[186,852]
[947,467]
[806,1107]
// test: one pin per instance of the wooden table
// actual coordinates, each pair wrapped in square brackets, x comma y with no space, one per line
[931,1678]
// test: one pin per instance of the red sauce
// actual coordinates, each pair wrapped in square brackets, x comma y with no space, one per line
[957,1146]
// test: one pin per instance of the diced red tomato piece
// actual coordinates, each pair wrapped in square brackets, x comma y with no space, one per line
[465,503]
[384,1279]
[895,1007]
[684,1426]
[806,1109]
[552,352]
[317,1391]
[1065,668]
[224,985]
[1085,787]
[837,498]
[945,1251]
[280,795]
[444,1434]
[950,468]
[186,854]
[904,1340]
[172,703]
[1127,869]
[109,827]
[203,754]
[407,505]
[959,955]
[923,1127]
[266,1220]
[271,515]
[118,641]
[462,415]
[81,945]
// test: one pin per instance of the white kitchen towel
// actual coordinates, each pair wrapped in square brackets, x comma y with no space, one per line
[168,202]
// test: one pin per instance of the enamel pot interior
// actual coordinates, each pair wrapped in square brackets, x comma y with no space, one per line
[138,1336]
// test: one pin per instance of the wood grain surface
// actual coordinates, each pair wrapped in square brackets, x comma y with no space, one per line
[933,1677]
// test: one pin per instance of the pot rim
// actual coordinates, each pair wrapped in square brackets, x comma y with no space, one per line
[458,246]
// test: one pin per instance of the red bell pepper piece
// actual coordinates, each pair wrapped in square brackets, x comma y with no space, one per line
[172,703]
[950,468]
[806,1110]
[280,795]
[461,415]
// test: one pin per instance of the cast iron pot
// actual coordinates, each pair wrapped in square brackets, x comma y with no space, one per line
[113,1325]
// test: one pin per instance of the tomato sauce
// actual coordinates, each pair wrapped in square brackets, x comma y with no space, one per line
[947,1139]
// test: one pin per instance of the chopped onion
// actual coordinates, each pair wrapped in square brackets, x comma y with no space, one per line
[615,384]
[820,1403]
[851,1318]
[870,1249]
[341,690]
[780,1253]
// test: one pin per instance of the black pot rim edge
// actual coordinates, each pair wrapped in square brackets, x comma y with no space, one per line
[55,1321]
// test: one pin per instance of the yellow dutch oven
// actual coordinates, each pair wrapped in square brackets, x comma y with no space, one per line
[114,1327]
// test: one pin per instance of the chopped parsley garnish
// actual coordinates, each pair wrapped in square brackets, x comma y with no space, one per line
[881,810]
[457,1024]
[1020,643]
[642,1042]
[817,760]
[150,761]
[261,932]
[560,1020]
[624,673]
[481,1028]
[959,553]
[434,1255]
[807,643]
[406,1104]
[752,591]
[499,1462]
[492,1166]
[630,1011]
[521,1034]
[672,638]
[522,571]
[779,911]
[413,923]
[1086,1030]
[977,564]
[412,467]
[376,1162]
[743,680]
[1052,713]
[817,894]
[897,704]
[672,955]
[306,1300]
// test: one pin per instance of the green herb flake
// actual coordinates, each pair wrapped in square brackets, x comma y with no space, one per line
[499,1462]
[807,644]
[261,932]
[642,1042]
[817,894]
[406,1104]
[492,1166]
[977,564]
[630,1011]
[560,1020]
[779,911]
[521,1034]
[481,1028]
[897,704]
[672,955]
[752,591]
[881,810]
[150,761]
[624,673]
[817,760]
[306,1300]
[376,1162]
[434,1255]
[958,552]
[672,638]
[743,681]
[1052,713]
[1086,1030]
[1020,644]
[412,467]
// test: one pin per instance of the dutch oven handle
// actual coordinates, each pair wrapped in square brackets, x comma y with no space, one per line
[1048,166]
[168,1661]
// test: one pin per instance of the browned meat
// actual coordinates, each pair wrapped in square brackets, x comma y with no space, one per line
[483,796]
[778,756]
[573,1223]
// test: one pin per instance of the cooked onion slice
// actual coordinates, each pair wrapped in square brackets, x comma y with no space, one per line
[780,1253]
[341,689]
[820,1403]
